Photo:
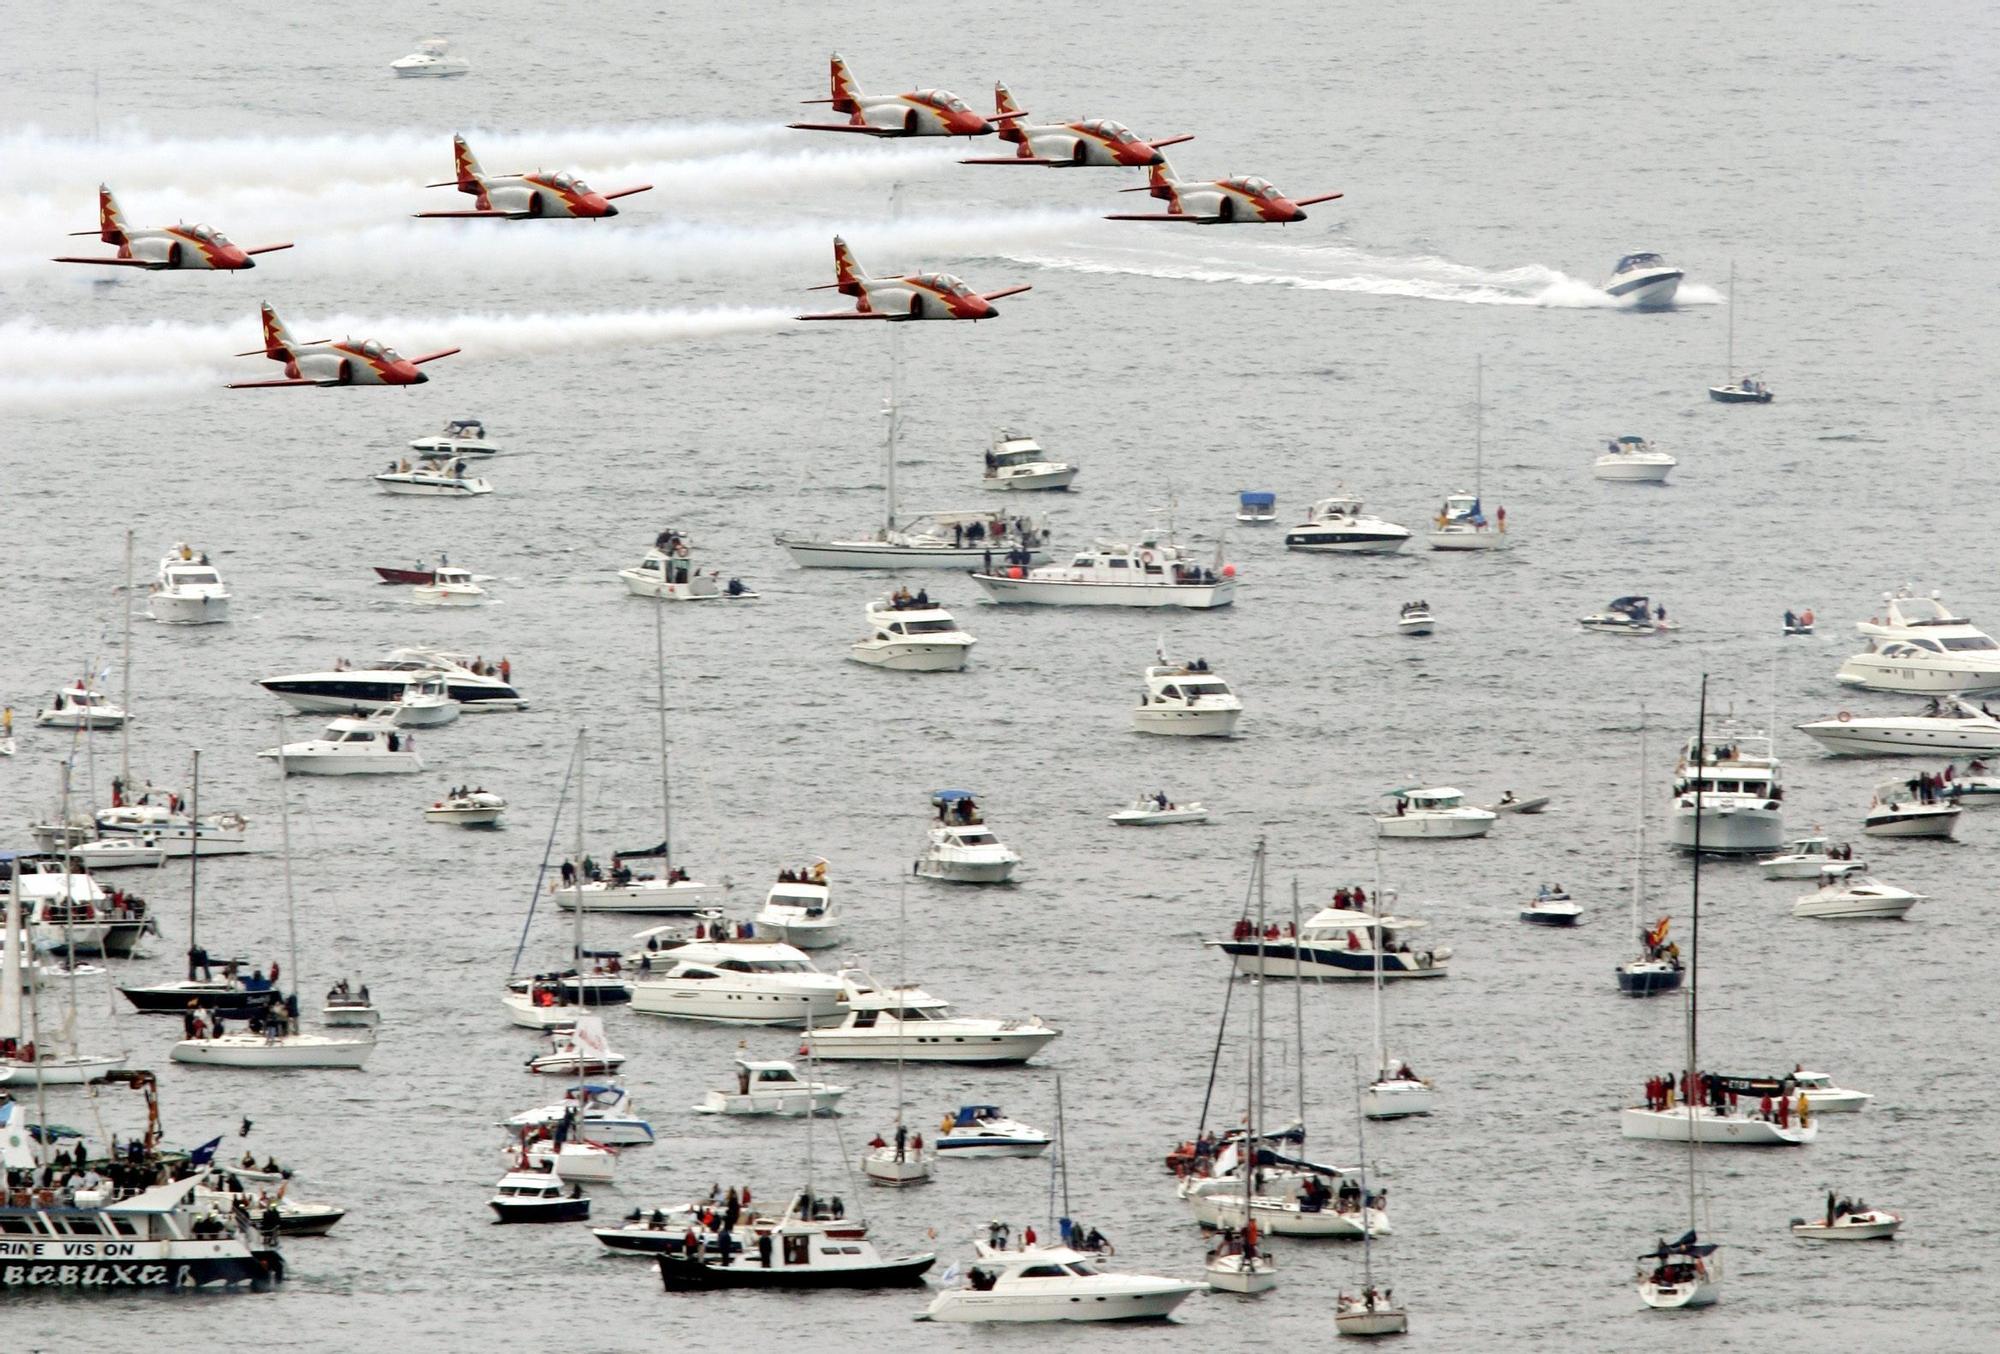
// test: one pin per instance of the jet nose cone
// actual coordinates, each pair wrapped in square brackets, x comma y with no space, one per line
[598,206]
[981,309]
[418,378]
[1289,211]
[1140,155]
[970,124]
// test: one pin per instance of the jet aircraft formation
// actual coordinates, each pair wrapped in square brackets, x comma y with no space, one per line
[544,196]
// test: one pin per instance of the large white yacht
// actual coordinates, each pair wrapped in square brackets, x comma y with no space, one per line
[1153,573]
[1633,460]
[1741,808]
[1017,462]
[908,1023]
[1337,525]
[1920,647]
[912,634]
[1054,1283]
[1336,942]
[1186,699]
[432,58]
[383,684]
[1644,281]
[351,747]
[735,982]
[1949,725]
[1439,811]
[1846,893]
[188,590]
[948,539]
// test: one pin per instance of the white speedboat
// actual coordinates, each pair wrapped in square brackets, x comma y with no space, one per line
[1153,573]
[1849,1222]
[1256,507]
[1440,811]
[1462,524]
[1744,1126]
[188,590]
[959,848]
[1806,858]
[1848,894]
[1054,1283]
[580,1051]
[241,1048]
[1156,810]
[351,747]
[1817,1087]
[1017,462]
[908,1023]
[450,586]
[384,683]
[1918,647]
[1337,942]
[735,982]
[912,634]
[668,572]
[467,808]
[461,437]
[77,706]
[799,910]
[1551,907]
[1644,281]
[1415,619]
[432,479]
[771,1088]
[1188,700]
[1633,460]
[1629,616]
[1902,809]
[1742,809]
[433,58]
[983,1131]
[608,1116]
[1949,724]
[971,538]
[1338,526]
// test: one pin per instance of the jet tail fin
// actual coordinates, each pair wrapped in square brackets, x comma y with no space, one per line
[465,168]
[846,94]
[1007,114]
[278,341]
[848,272]
[111,226]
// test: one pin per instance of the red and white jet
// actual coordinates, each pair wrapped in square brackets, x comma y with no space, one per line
[323,362]
[1246,199]
[923,296]
[178,246]
[1094,141]
[926,112]
[526,197]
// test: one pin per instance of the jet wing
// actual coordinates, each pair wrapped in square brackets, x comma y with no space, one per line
[269,248]
[1308,201]
[627,192]
[863,129]
[432,357]
[1170,140]
[260,385]
[850,315]
[114,263]
[1008,291]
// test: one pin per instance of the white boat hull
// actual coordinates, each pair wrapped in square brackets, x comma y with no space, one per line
[1879,1227]
[959,1304]
[1630,470]
[1732,831]
[172,609]
[651,896]
[1433,826]
[1913,822]
[1468,538]
[1810,867]
[465,488]
[1159,817]
[1018,1147]
[118,855]
[997,1047]
[802,935]
[967,871]
[1381,1321]
[522,1011]
[1056,592]
[373,764]
[1653,290]
[1184,722]
[290,1051]
[704,1000]
[1696,1292]
[1238,1274]
[1873,672]
[903,657]
[699,588]
[464,817]
[178,840]
[1344,541]
[577,1162]
[1283,1217]
[1031,477]
[882,1168]
[56,1070]
[350,1017]
[880,555]
[1712,1128]
[1853,909]
[1860,738]
[1396,1099]
[798,1102]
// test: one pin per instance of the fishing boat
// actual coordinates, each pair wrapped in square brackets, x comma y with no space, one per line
[1735,389]
[450,586]
[1848,1220]
[1434,812]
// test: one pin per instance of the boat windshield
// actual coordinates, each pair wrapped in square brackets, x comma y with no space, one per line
[978,838]
[1204,688]
[1643,260]
[1969,643]
[929,627]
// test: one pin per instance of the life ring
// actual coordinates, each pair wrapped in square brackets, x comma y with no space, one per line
[1145,557]
[1845,717]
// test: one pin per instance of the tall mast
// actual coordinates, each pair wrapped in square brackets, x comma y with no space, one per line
[1478,426]
[576,942]
[1361,1156]
[13,956]
[1298,994]
[285,843]
[902,914]
[194,855]
[1256,1106]
[1729,372]
[660,694]
[1639,857]
[1694,952]
[1381,1054]
[125,688]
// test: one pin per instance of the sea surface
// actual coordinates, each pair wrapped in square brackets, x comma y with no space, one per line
[642,372]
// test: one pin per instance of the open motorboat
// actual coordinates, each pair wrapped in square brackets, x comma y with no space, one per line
[1186,699]
[537,1196]
[1846,1221]
[432,479]
[1415,619]
[908,1024]
[735,982]
[1742,808]
[912,634]
[1156,810]
[382,684]
[432,58]
[450,586]
[668,572]
[1848,894]
[771,1088]
[461,437]
[1644,281]
[77,706]
[1551,907]
[1462,524]
[791,1254]
[188,590]
[426,704]
[1629,616]
[225,1191]
[1153,573]
[959,848]
[1633,460]
[1054,1283]
[1973,791]
[1682,1273]
[467,808]
[1338,526]
[799,909]
[1798,622]
[351,747]
[1336,942]
[1807,857]
[1440,811]
[1948,724]
[1509,802]
[983,1131]
[1817,1087]
[1907,808]
[1256,507]
[1918,647]
[608,1116]
[1017,462]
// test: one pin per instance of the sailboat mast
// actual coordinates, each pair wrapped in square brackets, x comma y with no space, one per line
[1062,1154]
[285,844]
[1381,940]
[1479,428]
[660,696]
[893,412]
[1729,371]
[1639,856]
[576,941]
[1257,1065]
[1361,1157]
[125,687]
[902,916]
[1298,993]
[194,855]
[1694,955]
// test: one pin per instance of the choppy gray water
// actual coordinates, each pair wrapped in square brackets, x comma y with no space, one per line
[1496,161]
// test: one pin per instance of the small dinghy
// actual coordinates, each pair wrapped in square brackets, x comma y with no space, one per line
[1156,810]
[1799,622]
[1551,907]
[1510,803]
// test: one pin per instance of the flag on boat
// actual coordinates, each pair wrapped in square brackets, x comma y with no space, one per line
[205,1153]
[590,1041]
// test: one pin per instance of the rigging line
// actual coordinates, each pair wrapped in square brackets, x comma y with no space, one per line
[555,824]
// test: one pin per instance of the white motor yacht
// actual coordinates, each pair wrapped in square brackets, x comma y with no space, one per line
[78,706]
[1629,616]
[1817,1087]
[1338,526]
[735,982]
[1742,809]
[668,572]
[1462,524]
[537,1196]
[608,1116]
[983,1131]
[1806,858]
[969,538]
[1337,942]
[1415,619]
[432,479]
[1949,724]
[426,704]
[1551,907]
[1440,811]
[1153,573]
[1633,460]
[908,1023]
[771,1088]
[1743,1126]
[960,848]
[1017,462]
[1156,810]
[450,586]
[912,634]
[1054,1283]
[432,58]
[1189,700]
[1644,281]
[1846,893]
[1855,1222]
[1901,809]
[467,808]
[351,747]
[383,684]
[188,590]
[1918,647]
[799,910]
[461,437]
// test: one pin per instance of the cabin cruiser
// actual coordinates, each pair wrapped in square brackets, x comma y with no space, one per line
[1337,525]
[771,1088]
[983,1131]
[1821,1094]
[590,888]
[1152,573]
[911,1025]
[449,586]
[735,982]
[912,634]
[1949,724]
[432,58]
[538,1196]
[439,478]
[105,854]
[967,539]
[1644,281]
[792,1253]
[668,573]
[1551,907]
[1633,460]
[1336,942]
[1186,699]
[188,591]
[1742,808]
[1437,812]
[1629,616]
[1847,893]
[77,706]
[1907,808]
[1920,648]
[1845,1221]
[1462,524]
[467,808]
[608,1116]
[799,909]
[1415,619]
[85,1237]
[1054,1283]
[959,848]
[1257,508]
[382,685]
[426,704]
[1806,858]
[1016,461]
[1156,810]
[461,437]
[351,747]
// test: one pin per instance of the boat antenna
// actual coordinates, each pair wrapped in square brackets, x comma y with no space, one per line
[285,844]
[548,849]
[125,689]
[660,696]
[194,856]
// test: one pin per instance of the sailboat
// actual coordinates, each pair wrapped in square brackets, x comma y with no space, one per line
[1462,524]
[897,1162]
[1396,1092]
[1658,967]
[542,1001]
[1235,1264]
[1372,1311]
[1748,389]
